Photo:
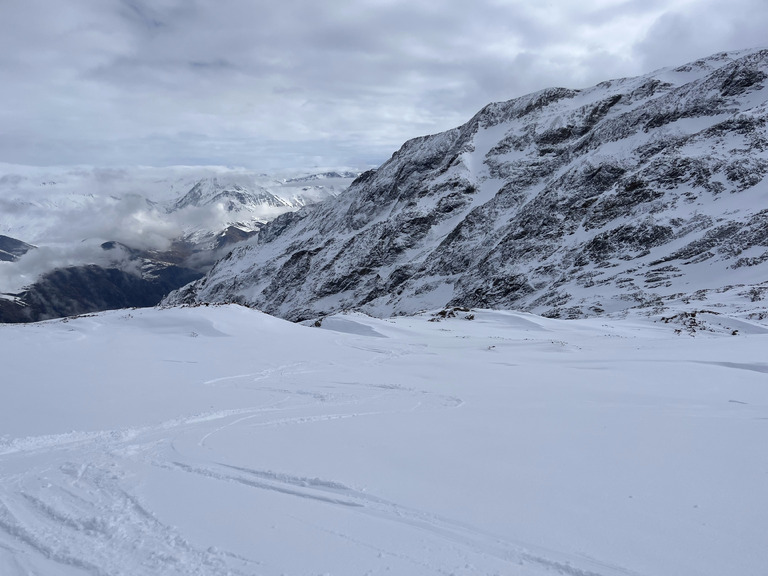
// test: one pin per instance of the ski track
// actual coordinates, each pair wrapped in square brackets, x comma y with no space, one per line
[90,518]
[92,524]
[283,370]
[445,530]
[59,511]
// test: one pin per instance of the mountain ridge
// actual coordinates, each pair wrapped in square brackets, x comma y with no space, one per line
[635,193]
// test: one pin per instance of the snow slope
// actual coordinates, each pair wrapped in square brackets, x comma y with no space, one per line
[219,440]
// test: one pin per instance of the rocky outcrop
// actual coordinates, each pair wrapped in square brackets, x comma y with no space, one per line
[637,193]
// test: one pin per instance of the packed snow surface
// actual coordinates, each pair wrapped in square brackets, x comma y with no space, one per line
[219,440]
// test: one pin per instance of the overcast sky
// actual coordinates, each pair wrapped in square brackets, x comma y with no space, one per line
[302,83]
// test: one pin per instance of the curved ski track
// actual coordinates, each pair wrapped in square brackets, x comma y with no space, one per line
[72,503]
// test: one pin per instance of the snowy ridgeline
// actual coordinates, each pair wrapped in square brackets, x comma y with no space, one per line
[218,440]
[639,193]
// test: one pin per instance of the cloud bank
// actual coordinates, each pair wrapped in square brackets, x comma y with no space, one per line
[300,83]
[68,213]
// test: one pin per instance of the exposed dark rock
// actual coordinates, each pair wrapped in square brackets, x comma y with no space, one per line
[83,289]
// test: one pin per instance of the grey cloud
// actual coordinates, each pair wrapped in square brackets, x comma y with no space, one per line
[239,82]
[702,28]
[626,9]
[145,15]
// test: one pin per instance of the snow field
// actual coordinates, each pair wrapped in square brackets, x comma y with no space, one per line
[219,440]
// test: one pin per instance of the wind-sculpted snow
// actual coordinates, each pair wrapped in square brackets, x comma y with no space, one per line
[220,441]
[641,192]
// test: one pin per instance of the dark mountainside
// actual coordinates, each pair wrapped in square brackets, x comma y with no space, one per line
[644,193]
[142,279]
[12,249]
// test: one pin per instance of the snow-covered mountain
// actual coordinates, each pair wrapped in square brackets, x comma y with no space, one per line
[323,176]
[260,202]
[245,203]
[234,197]
[642,192]
[38,204]
[168,225]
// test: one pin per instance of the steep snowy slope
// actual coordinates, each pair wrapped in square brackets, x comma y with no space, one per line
[218,441]
[642,192]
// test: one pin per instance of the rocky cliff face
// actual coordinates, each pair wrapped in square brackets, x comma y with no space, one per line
[645,192]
